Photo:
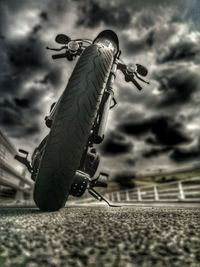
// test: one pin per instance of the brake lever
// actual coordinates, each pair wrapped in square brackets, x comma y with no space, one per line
[139,78]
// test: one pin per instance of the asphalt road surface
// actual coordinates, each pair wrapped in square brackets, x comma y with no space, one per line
[100,236]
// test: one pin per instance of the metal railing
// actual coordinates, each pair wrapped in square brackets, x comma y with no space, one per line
[5,166]
[178,191]
[14,184]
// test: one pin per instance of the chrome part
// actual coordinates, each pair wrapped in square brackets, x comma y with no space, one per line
[131,67]
[104,118]
[73,46]
[99,132]
[92,161]
[80,184]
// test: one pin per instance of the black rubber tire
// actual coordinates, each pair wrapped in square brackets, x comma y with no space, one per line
[71,128]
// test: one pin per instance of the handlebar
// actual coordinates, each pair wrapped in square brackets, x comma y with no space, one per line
[130,71]
[63,55]
[139,87]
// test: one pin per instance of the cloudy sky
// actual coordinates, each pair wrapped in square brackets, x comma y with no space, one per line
[155,129]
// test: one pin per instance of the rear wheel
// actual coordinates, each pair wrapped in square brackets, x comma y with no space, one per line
[71,128]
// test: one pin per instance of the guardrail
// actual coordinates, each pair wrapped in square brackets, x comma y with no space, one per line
[14,184]
[178,191]
[12,171]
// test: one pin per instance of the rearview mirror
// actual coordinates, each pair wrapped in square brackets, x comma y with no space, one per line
[142,70]
[62,39]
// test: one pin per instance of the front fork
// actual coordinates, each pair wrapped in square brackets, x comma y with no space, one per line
[50,117]
[98,130]
[102,116]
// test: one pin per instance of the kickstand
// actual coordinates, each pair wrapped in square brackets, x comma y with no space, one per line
[99,197]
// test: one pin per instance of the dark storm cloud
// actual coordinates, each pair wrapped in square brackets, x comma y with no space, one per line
[138,45]
[115,144]
[164,131]
[169,133]
[44,16]
[12,118]
[177,84]
[23,59]
[185,50]
[135,128]
[92,13]
[52,77]
[154,152]
[22,102]
[119,13]
[15,112]
[125,179]
[129,161]
[191,153]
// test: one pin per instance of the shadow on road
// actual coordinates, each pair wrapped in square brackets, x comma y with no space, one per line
[18,211]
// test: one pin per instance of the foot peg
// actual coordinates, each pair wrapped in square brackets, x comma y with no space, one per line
[24,160]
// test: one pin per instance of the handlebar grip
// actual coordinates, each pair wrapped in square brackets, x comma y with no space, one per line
[59,56]
[136,84]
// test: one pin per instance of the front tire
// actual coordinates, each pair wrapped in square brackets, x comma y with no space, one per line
[71,128]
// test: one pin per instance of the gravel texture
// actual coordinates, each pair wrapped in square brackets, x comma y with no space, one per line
[100,236]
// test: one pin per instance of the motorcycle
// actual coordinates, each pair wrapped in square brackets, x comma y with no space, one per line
[66,161]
